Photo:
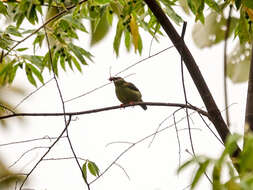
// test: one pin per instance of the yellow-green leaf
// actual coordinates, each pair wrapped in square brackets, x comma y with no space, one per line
[213,31]
[238,63]
[134,32]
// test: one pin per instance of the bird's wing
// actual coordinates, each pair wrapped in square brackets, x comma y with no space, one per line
[131,86]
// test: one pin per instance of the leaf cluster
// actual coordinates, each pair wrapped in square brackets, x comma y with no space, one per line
[242,180]
[132,16]
[91,167]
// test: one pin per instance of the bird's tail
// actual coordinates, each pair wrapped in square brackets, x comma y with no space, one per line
[144,106]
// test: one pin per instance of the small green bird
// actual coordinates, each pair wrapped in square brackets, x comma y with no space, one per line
[126,92]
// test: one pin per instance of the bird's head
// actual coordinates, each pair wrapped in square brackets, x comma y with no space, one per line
[117,80]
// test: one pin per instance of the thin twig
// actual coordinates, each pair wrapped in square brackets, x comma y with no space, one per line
[153,37]
[208,178]
[44,155]
[211,130]
[184,91]
[99,87]
[118,142]
[30,140]
[63,158]
[131,146]
[23,154]
[138,62]
[86,93]
[123,170]
[64,110]
[178,140]
[160,124]
[225,63]
[37,89]
[8,109]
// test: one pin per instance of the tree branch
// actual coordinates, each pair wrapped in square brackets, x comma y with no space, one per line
[249,104]
[213,111]
[106,109]
[225,64]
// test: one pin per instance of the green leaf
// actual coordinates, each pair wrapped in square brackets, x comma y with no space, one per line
[212,32]
[29,75]
[76,11]
[212,4]
[5,41]
[69,62]
[248,3]
[231,144]
[19,19]
[99,30]
[216,176]
[238,63]
[200,172]
[13,73]
[109,15]
[238,4]
[3,9]
[86,54]
[243,30]
[76,64]
[116,7]
[32,14]
[197,7]
[246,156]
[62,62]
[183,4]
[102,1]
[84,169]
[37,73]
[117,38]
[13,31]
[139,45]
[55,60]
[93,168]
[127,40]
[76,23]
[45,62]
[77,53]
[200,15]
[34,59]
[186,164]
[21,49]
[39,39]
[173,15]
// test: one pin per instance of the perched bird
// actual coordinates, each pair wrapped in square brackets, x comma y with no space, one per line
[126,92]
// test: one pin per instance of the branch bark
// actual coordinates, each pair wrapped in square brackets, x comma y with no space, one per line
[249,104]
[214,113]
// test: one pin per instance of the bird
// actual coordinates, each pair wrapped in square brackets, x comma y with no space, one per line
[127,92]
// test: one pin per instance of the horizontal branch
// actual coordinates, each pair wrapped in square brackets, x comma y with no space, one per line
[106,109]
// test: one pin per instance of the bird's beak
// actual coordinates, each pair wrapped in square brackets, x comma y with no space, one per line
[112,79]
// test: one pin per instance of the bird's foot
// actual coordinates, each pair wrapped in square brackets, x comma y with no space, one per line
[122,105]
[131,103]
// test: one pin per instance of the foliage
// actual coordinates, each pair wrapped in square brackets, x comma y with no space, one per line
[92,168]
[236,181]
[7,177]
[69,17]
[213,31]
